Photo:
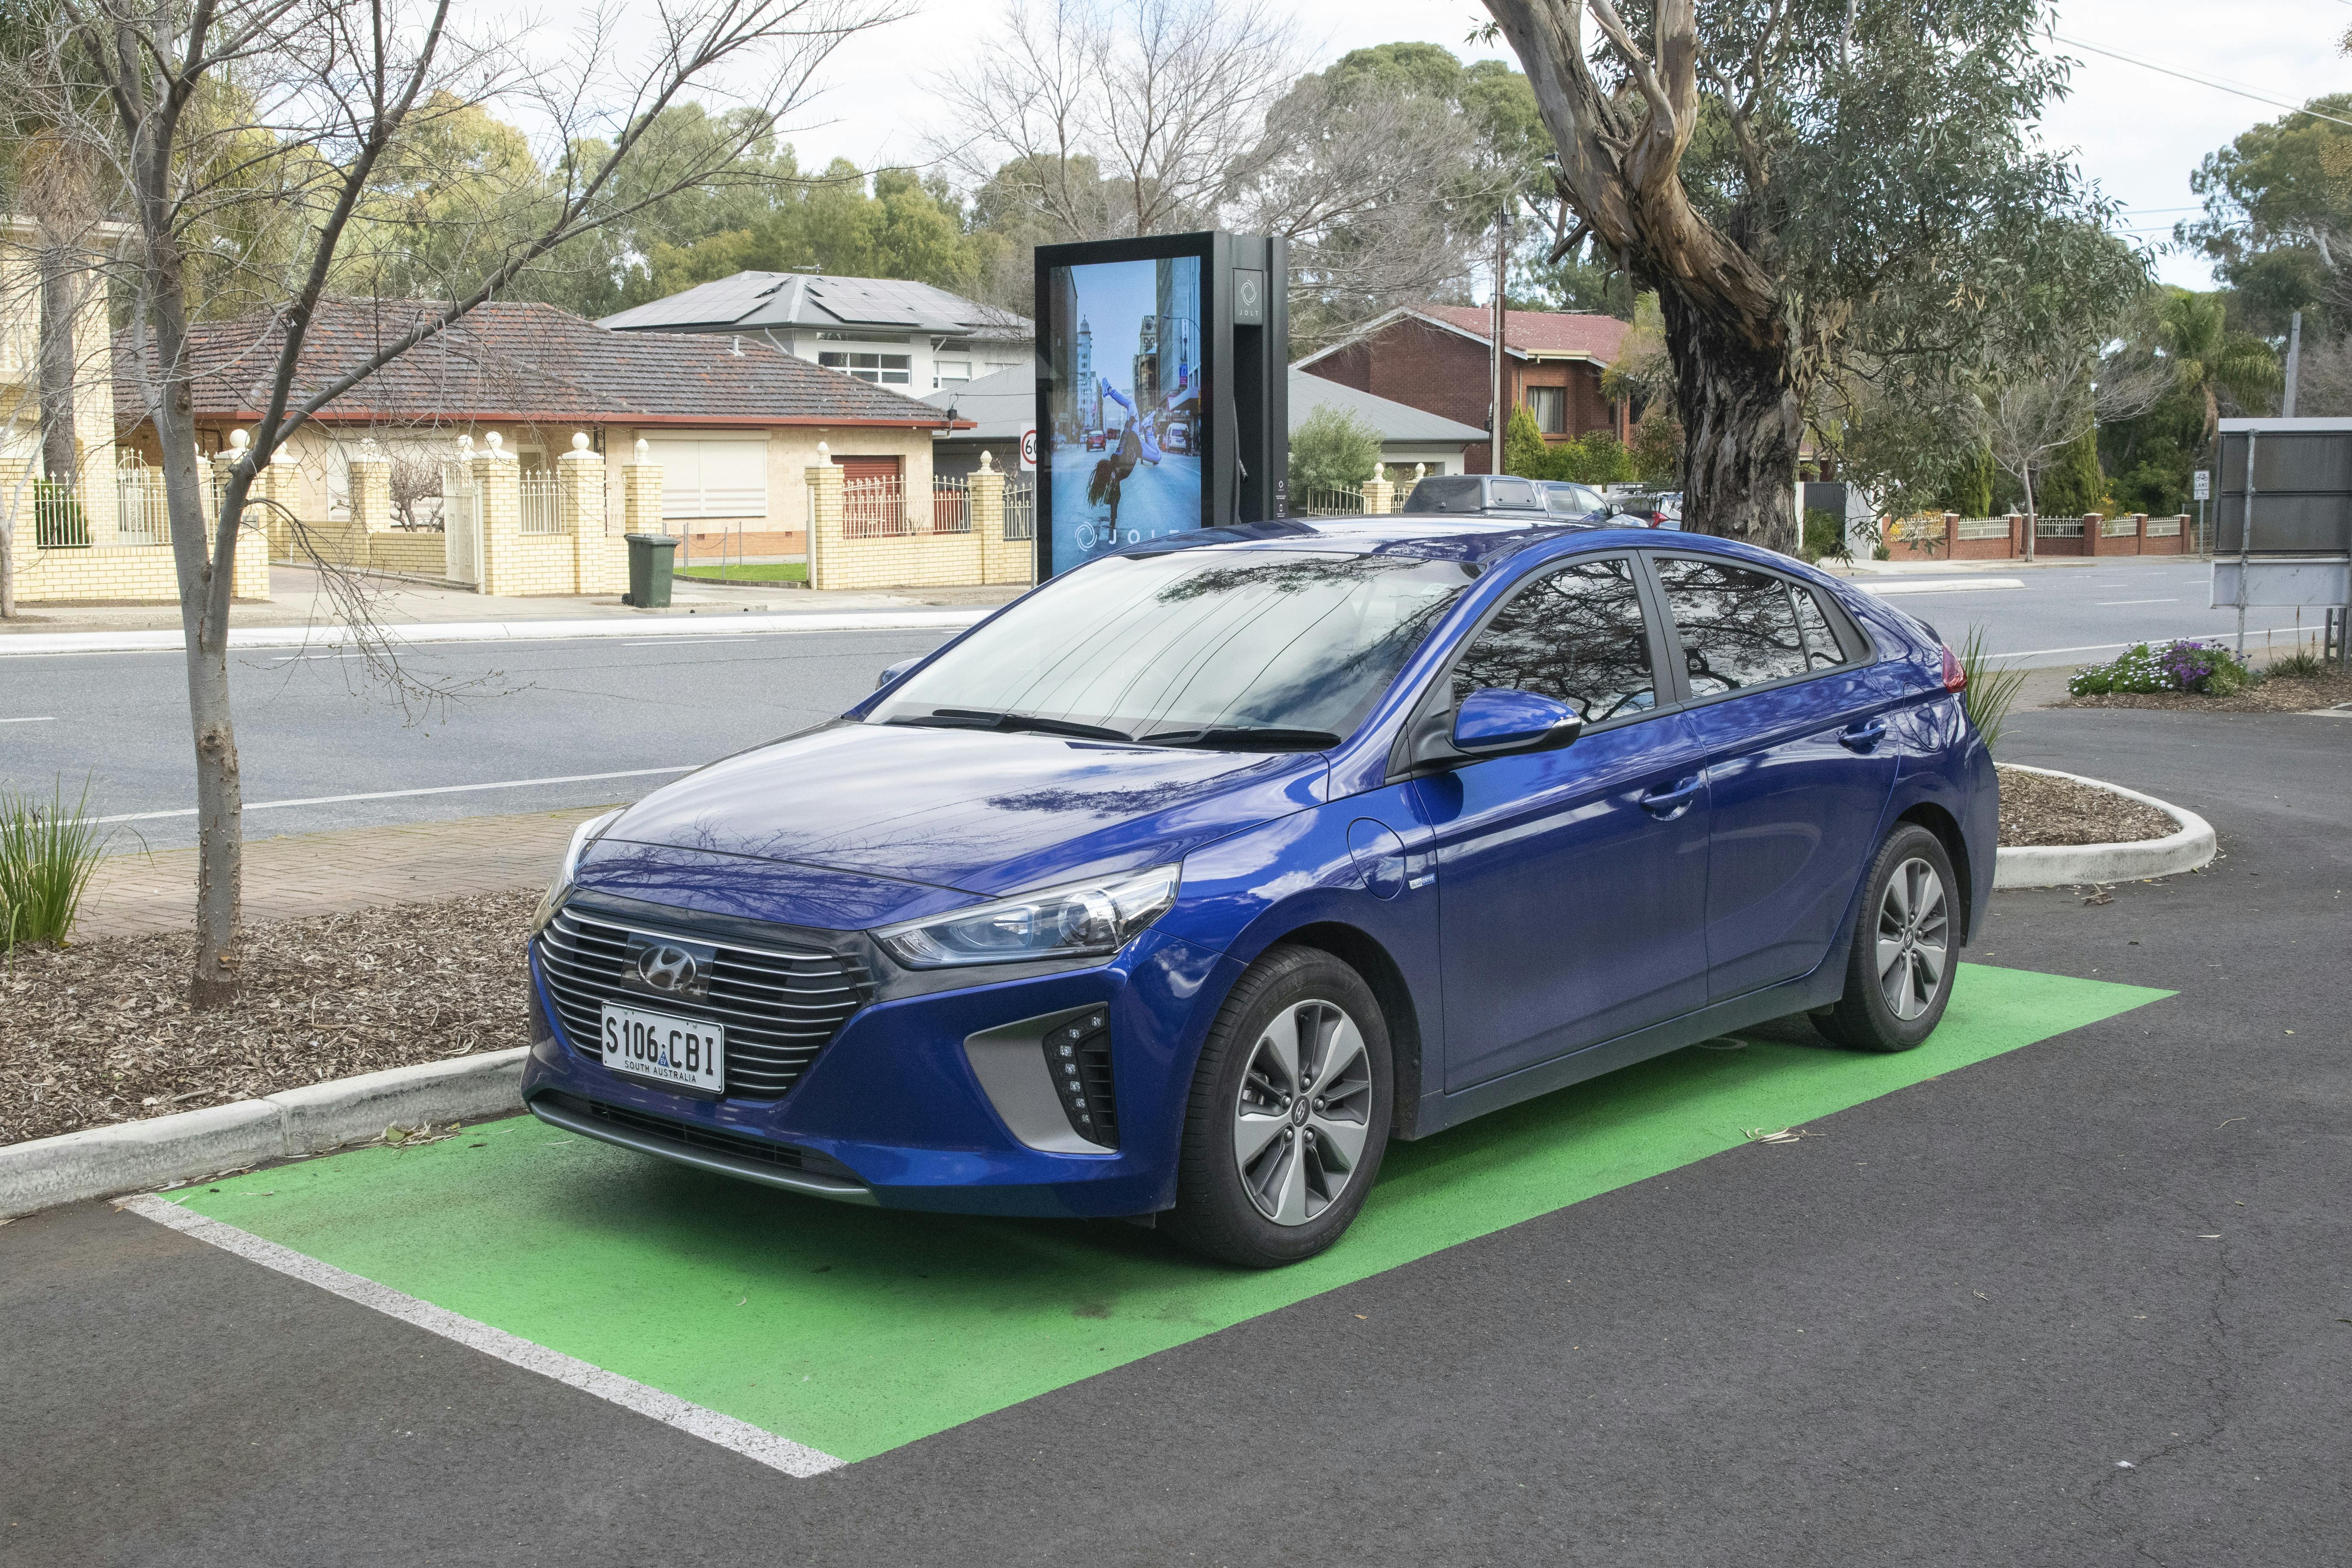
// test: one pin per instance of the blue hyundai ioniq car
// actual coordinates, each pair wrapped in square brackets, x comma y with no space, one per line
[1178,887]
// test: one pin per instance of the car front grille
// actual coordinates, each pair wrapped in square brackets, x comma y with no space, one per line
[780,1006]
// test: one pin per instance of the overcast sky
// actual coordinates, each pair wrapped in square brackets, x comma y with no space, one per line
[2138,131]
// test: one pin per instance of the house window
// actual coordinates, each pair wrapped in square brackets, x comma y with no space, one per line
[952,370]
[1550,406]
[889,369]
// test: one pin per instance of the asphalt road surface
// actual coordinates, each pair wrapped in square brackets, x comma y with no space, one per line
[317,725]
[2081,1304]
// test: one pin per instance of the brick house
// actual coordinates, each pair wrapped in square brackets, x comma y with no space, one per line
[734,424]
[1436,358]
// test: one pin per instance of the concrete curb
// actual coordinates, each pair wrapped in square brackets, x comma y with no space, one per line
[2072,865]
[649,625]
[137,1156]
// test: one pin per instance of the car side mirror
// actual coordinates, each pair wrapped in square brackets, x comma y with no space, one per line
[895,670]
[1494,721]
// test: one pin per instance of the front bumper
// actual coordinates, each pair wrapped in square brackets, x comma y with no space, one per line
[894,1113]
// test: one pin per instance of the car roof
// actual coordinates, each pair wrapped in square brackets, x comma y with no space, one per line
[1435,536]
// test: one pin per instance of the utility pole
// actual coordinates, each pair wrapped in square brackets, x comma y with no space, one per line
[1495,419]
[2294,362]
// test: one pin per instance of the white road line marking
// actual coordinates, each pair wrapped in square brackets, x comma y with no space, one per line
[2207,635]
[402,794]
[43,719]
[739,1437]
[2107,604]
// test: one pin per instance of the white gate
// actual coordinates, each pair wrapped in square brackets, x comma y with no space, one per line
[461,522]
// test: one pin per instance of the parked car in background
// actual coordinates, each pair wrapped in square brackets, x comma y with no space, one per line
[1574,502]
[1649,509]
[1179,887]
[1479,495]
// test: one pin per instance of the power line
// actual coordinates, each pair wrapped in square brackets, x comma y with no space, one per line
[2199,80]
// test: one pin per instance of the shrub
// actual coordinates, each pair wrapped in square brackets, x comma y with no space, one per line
[2210,670]
[1332,447]
[46,856]
[1524,452]
[1657,448]
[2301,665]
[1825,535]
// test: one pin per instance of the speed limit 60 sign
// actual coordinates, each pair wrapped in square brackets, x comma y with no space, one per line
[1029,449]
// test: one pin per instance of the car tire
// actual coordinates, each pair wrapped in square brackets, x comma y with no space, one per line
[1289,1116]
[1899,975]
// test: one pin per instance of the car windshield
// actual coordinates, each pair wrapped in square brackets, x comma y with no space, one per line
[1271,649]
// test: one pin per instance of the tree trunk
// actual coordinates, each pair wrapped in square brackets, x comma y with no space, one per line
[2033,518]
[205,567]
[1742,423]
[60,297]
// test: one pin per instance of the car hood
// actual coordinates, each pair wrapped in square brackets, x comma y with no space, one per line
[874,822]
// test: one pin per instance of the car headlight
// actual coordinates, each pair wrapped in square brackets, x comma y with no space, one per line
[1075,920]
[584,835]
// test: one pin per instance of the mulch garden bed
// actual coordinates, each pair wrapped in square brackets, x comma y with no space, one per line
[100,1032]
[2038,810]
[2278,694]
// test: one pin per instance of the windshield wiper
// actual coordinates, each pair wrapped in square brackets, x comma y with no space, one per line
[986,718]
[1246,738]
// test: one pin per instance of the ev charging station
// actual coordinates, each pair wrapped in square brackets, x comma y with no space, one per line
[1162,390]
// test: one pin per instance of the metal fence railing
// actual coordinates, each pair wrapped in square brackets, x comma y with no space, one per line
[2058,527]
[540,512]
[2118,526]
[141,515]
[874,509]
[1332,500]
[1019,509]
[1985,527]
[951,505]
[60,521]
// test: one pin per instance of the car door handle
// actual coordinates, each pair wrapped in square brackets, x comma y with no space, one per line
[1862,736]
[1672,802]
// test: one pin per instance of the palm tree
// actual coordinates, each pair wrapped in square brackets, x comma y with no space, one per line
[2208,358]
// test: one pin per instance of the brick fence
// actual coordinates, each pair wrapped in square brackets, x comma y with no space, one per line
[1956,538]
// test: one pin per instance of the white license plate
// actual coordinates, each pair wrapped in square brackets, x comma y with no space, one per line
[688,1052]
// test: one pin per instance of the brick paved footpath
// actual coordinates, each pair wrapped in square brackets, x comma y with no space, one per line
[330,873]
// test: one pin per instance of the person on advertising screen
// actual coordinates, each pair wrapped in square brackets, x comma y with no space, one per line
[1127,460]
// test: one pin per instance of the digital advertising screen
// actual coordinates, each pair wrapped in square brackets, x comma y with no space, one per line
[1127,404]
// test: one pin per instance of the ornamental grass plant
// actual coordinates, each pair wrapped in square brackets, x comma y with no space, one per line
[2207,669]
[47,853]
[1990,691]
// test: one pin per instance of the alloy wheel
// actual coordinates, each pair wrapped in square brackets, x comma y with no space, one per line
[1914,939]
[1304,1112]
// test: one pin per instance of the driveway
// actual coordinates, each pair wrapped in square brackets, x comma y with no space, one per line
[2082,1301]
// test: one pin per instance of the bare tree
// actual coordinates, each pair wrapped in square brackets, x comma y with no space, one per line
[1118,116]
[2040,403]
[222,117]
[1379,191]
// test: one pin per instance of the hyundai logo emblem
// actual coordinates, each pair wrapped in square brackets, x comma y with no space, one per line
[667,968]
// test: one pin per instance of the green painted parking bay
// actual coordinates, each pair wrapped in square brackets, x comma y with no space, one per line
[853,1330]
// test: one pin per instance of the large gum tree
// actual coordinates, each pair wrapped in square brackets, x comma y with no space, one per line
[1811,186]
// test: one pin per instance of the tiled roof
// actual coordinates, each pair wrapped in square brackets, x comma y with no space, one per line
[751,301]
[1538,331]
[523,361]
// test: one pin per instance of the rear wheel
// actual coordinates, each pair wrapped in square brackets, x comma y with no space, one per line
[1289,1113]
[1899,975]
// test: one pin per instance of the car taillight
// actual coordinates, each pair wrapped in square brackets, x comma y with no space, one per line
[1955,677]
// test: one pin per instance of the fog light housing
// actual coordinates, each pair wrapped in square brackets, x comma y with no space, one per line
[1077,1057]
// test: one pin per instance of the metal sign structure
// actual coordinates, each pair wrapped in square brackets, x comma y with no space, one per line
[2283,521]
[1162,390]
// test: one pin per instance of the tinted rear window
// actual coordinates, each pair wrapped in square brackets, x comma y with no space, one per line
[1444,492]
[1514,492]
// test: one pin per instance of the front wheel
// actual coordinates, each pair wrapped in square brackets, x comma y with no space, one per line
[1899,975]
[1289,1113]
